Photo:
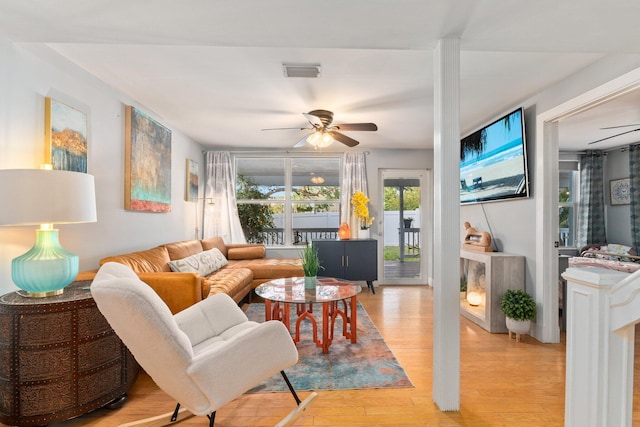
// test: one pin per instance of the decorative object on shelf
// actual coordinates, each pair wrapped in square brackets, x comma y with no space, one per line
[475,298]
[46,197]
[476,240]
[344,232]
[519,309]
[65,136]
[361,210]
[310,265]
[620,191]
[364,233]
[191,190]
[407,222]
[147,163]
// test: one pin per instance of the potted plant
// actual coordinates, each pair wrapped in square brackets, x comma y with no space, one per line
[463,288]
[407,222]
[310,265]
[519,309]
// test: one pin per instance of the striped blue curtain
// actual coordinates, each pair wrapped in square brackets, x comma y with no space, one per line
[634,178]
[591,223]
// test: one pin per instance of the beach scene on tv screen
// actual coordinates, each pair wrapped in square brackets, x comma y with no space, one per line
[492,163]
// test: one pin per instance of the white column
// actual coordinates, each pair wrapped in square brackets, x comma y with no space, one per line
[599,379]
[446,241]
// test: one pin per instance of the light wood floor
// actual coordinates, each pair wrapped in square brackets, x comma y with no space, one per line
[503,383]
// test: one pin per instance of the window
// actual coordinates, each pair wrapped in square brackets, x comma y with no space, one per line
[288,200]
[569,179]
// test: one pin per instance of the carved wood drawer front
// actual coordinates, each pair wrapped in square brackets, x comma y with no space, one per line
[59,358]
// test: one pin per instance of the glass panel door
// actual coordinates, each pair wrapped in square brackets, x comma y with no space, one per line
[405,227]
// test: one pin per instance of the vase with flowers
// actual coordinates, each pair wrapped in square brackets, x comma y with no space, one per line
[361,212]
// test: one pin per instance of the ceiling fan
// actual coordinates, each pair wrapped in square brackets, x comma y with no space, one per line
[637,125]
[324,132]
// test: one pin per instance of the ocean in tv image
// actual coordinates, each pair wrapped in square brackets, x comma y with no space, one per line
[492,163]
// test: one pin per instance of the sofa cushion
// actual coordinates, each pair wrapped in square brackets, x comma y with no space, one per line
[247,252]
[214,242]
[270,268]
[181,250]
[204,263]
[229,280]
[152,260]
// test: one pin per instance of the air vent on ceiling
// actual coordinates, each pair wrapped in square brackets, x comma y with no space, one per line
[310,71]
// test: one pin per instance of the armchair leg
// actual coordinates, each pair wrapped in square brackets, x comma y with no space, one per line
[291,389]
[162,420]
[212,418]
[300,409]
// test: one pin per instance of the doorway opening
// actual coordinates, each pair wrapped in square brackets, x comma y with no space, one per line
[405,227]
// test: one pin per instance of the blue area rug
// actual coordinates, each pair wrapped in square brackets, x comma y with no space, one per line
[369,363]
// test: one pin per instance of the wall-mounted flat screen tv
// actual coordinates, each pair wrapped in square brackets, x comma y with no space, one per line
[493,161]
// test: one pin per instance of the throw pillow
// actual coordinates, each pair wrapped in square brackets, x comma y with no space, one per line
[203,263]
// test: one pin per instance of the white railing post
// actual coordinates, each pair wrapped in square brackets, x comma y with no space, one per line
[602,309]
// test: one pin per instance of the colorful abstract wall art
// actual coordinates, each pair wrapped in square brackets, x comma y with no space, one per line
[147,163]
[66,137]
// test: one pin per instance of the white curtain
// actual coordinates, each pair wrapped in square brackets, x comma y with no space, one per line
[222,220]
[354,178]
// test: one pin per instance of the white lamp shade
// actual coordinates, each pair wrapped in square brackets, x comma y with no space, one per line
[39,196]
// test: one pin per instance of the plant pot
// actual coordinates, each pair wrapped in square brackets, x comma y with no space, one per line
[363,234]
[407,223]
[310,282]
[518,327]
[463,294]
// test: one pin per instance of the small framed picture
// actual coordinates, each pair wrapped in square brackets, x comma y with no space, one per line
[620,191]
[66,136]
[191,192]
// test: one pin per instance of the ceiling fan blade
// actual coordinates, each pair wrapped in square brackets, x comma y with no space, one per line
[356,126]
[302,142]
[314,120]
[613,136]
[288,129]
[349,142]
[621,126]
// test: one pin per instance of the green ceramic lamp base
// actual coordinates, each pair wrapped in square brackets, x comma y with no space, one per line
[46,268]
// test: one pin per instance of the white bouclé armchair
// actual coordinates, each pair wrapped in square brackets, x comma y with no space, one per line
[204,356]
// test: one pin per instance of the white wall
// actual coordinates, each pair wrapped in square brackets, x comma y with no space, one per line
[27,76]
[619,216]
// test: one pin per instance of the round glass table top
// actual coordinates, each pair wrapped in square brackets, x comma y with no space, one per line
[292,290]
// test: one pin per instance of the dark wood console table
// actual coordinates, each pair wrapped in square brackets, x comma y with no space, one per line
[59,358]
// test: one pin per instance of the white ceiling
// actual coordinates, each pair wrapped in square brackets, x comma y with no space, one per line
[213,69]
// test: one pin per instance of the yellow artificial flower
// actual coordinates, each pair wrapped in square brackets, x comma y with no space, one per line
[360,209]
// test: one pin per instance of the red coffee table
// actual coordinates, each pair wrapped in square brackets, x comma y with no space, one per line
[332,293]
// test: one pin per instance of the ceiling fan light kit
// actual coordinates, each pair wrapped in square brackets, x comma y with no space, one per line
[324,133]
[320,139]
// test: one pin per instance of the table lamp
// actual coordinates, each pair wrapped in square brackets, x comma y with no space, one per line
[45,197]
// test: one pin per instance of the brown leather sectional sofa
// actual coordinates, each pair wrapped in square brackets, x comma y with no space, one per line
[247,267]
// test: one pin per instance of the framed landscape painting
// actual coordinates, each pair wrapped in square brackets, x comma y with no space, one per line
[65,136]
[147,163]
[191,192]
